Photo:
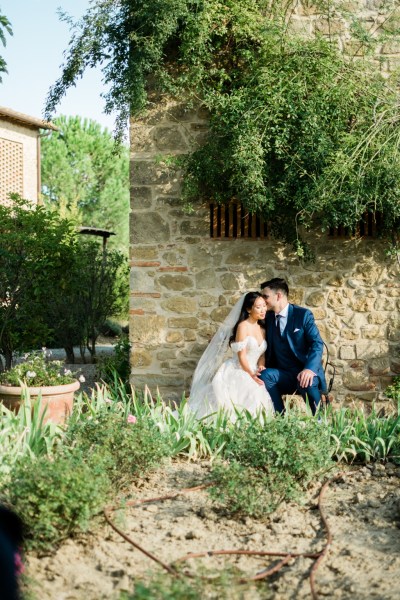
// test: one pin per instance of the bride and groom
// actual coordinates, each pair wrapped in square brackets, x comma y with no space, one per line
[277,350]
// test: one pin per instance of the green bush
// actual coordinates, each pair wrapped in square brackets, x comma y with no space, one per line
[267,464]
[125,448]
[117,367]
[393,391]
[57,497]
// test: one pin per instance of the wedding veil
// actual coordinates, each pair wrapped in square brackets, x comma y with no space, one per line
[211,360]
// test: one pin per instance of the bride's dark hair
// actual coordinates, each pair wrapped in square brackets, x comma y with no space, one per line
[247,305]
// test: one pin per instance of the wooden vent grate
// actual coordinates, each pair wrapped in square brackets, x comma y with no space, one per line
[231,221]
[369,226]
[11,168]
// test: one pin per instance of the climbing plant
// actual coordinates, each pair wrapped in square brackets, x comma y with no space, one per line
[300,132]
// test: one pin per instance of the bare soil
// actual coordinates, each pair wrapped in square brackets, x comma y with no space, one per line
[363,512]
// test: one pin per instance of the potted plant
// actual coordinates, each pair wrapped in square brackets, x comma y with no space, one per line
[40,378]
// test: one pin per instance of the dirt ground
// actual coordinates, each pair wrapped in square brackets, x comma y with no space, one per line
[363,512]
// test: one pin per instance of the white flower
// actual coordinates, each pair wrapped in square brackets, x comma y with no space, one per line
[82,379]
[30,374]
[67,372]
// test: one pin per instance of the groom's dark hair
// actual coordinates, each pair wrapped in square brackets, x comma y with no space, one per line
[277,285]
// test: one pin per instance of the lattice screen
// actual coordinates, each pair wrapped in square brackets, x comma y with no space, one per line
[11,168]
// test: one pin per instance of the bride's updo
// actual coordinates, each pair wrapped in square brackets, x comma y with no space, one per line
[247,305]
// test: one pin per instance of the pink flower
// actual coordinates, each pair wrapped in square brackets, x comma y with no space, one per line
[18,564]
[131,419]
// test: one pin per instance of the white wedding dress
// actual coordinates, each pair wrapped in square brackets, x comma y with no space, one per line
[232,388]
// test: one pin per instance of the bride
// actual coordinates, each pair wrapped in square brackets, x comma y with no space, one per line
[233,384]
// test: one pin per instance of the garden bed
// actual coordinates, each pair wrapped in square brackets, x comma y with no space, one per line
[363,512]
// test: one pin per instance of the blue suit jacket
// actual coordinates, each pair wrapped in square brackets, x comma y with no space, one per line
[304,340]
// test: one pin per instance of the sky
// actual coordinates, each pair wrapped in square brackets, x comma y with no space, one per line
[34,55]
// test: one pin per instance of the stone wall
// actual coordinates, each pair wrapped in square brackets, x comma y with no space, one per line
[183,283]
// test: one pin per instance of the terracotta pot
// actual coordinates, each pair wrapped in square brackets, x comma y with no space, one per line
[58,399]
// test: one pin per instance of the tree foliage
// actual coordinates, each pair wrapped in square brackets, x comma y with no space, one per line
[5,27]
[299,132]
[55,287]
[84,178]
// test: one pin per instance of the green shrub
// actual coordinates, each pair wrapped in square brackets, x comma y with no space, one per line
[267,464]
[125,448]
[56,498]
[110,328]
[393,391]
[117,367]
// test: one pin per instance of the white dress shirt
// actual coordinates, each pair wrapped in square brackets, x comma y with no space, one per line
[283,318]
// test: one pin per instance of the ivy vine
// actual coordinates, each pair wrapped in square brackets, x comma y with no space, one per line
[302,133]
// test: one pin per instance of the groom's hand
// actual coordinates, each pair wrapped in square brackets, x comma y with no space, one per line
[305,378]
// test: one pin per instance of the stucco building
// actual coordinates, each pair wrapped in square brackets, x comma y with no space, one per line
[20,154]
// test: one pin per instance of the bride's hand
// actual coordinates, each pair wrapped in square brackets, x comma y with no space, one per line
[256,379]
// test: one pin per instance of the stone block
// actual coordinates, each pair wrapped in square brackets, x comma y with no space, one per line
[170,138]
[166,354]
[372,332]
[150,172]
[141,138]
[319,313]
[366,350]
[325,331]
[339,301]
[200,257]
[395,365]
[144,226]
[206,300]
[378,317]
[239,257]
[164,202]
[391,47]
[347,352]
[379,366]
[175,282]
[189,335]
[144,252]
[140,358]
[383,303]
[220,313]
[147,330]
[141,197]
[329,27]
[230,281]
[197,227]
[354,320]
[174,337]
[146,304]
[357,381]
[141,280]
[180,304]
[315,299]
[350,334]
[363,304]
[156,380]
[183,322]
[336,281]
[206,279]
[296,296]
[362,396]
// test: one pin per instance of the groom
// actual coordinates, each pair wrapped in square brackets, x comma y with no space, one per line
[295,347]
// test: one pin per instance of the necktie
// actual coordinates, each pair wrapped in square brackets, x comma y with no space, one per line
[277,324]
